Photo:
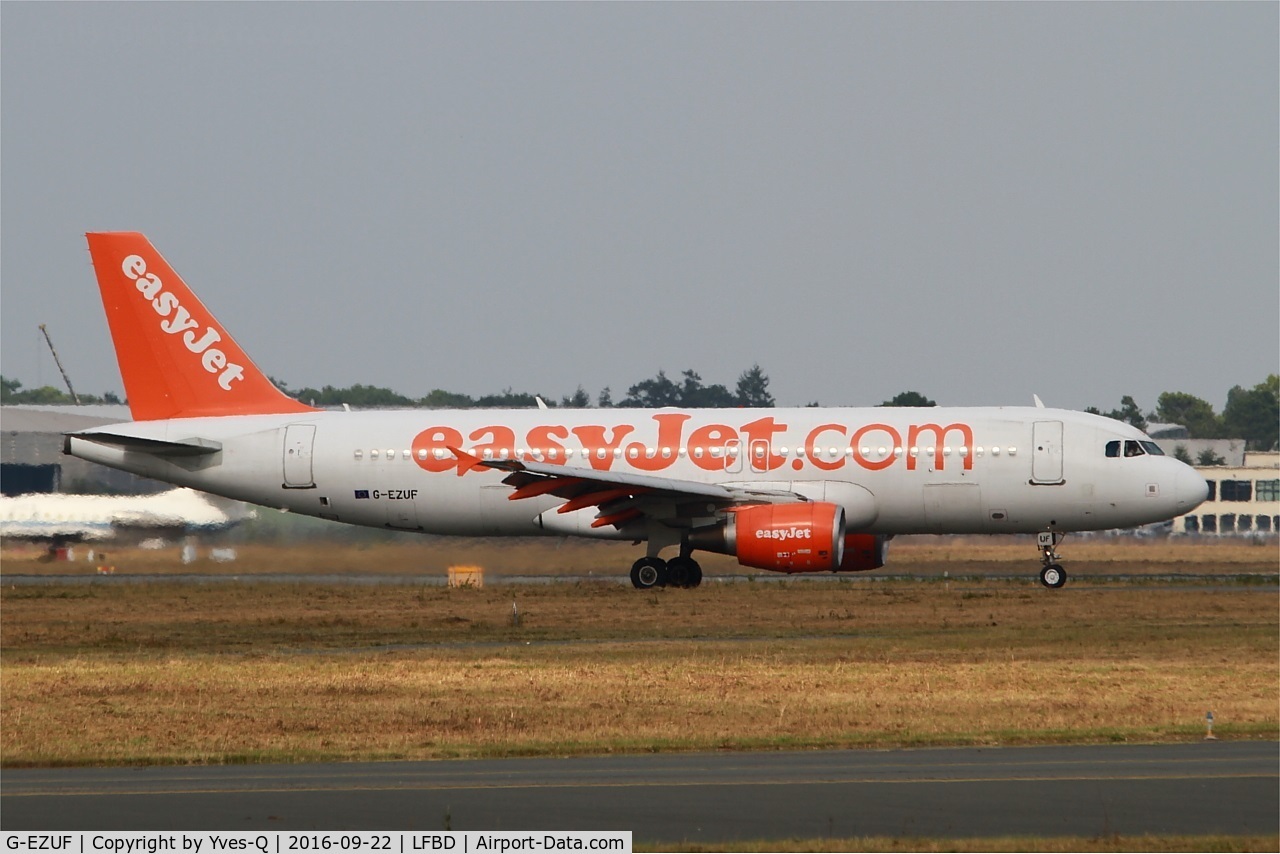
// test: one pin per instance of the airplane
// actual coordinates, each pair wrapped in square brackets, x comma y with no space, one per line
[792,490]
[61,518]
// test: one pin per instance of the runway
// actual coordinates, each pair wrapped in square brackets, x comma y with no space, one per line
[1196,788]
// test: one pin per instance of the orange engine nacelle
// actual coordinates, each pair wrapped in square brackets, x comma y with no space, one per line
[805,537]
[863,552]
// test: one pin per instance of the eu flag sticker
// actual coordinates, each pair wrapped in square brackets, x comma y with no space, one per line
[362,493]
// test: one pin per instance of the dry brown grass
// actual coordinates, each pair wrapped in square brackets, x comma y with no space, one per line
[173,672]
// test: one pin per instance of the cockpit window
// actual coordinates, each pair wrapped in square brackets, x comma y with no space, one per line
[1133,448]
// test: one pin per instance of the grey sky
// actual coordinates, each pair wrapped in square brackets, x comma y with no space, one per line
[975,201]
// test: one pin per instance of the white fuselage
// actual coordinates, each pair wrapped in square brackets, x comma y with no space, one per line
[926,470]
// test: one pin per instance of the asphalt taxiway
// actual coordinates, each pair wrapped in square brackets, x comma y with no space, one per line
[1197,788]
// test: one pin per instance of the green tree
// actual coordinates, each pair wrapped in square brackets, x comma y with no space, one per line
[45,394]
[1129,412]
[1208,458]
[753,388]
[653,393]
[1180,454]
[362,396]
[9,389]
[1176,407]
[578,400]
[909,398]
[605,399]
[441,399]
[12,392]
[508,399]
[695,395]
[1254,414]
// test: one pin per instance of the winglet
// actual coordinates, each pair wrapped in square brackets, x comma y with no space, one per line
[176,360]
[466,462]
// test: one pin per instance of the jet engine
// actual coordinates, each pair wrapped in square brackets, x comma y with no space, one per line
[863,552]
[806,537]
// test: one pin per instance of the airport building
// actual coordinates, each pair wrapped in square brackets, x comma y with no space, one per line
[1244,499]
[31,458]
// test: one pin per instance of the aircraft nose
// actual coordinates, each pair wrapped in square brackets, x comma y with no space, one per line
[1190,489]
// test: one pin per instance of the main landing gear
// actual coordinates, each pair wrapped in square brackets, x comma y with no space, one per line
[681,571]
[1052,575]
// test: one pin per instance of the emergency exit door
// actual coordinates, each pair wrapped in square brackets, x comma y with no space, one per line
[1046,452]
[298,441]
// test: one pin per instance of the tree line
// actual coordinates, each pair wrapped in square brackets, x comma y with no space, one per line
[1252,414]
[690,392]
[11,391]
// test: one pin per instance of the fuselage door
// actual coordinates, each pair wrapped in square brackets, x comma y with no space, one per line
[298,440]
[1046,452]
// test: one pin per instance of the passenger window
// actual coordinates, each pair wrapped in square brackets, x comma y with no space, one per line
[1113,448]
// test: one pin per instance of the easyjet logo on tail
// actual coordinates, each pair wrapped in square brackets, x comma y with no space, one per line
[177,320]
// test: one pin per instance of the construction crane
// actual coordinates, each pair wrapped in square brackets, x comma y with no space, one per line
[66,379]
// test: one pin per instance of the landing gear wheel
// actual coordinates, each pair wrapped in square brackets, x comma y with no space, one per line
[649,572]
[1053,576]
[684,572]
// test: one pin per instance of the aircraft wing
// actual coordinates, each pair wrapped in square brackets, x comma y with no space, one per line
[620,497]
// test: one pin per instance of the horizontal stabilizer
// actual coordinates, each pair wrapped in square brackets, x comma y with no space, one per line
[159,447]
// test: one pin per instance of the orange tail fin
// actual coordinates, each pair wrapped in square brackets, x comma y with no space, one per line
[176,359]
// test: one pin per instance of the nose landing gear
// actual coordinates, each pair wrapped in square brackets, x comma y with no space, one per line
[1052,574]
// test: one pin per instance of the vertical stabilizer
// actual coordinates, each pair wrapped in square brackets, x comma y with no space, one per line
[175,358]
